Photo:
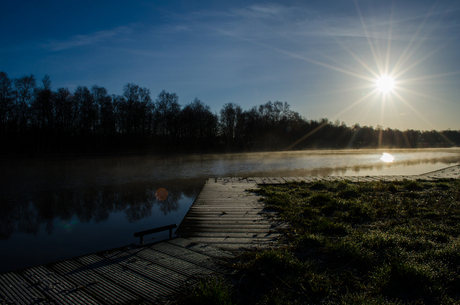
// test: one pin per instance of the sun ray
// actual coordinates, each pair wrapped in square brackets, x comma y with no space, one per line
[390,34]
[366,111]
[419,94]
[423,118]
[398,118]
[334,117]
[306,136]
[374,92]
[429,77]
[349,89]
[382,111]
[294,55]
[366,66]
[367,36]
[403,58]
[413,109]
[416,63]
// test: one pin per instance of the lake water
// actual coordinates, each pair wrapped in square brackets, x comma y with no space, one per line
[53,209]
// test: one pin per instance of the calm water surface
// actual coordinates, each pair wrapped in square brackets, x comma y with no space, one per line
[53,209]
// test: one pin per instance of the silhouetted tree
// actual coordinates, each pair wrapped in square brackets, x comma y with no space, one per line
[106,115]
[6,105]
[66,115]
[229,126]
[198,125]
[87,112]
[24,89]
[167,112]
[43,113]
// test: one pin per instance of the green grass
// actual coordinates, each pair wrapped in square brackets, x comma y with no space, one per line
[210,290]
[358,243]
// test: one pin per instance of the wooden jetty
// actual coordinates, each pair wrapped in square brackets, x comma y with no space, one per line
[224,217]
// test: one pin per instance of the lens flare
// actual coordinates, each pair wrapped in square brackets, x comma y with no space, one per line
[161,194]
[67,225]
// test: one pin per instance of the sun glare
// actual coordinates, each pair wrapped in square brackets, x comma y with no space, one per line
[384,79]
[386,157]
[385,84]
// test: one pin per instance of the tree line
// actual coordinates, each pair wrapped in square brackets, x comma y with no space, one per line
[34,119]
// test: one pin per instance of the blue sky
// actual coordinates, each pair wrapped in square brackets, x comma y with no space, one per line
[322,57]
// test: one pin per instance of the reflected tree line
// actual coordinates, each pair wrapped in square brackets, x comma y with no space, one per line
[26,214]
[35,119]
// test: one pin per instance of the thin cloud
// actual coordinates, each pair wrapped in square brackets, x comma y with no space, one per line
[291,21]
[271,12]
[89,39]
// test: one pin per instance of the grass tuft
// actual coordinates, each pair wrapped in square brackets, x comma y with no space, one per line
[209,290]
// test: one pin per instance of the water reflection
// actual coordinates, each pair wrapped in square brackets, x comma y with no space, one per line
[25,214]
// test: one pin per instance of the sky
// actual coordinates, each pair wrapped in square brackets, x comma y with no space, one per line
[324,58]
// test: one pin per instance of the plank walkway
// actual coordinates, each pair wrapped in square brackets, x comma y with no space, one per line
[224,217]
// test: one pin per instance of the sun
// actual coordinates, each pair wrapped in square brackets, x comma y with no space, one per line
[385,84]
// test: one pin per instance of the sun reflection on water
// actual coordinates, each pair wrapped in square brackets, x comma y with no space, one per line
[386,157]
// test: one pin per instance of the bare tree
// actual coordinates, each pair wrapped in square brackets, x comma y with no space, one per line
[6,105]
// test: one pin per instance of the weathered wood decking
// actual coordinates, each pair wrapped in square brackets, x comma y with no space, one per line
[147,274]
[223,217]
[226,216]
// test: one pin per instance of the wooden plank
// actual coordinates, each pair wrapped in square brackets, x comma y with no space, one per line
[201,248]
[265,180]
[187,230]
[276,180]
[107,292]
[170,262]
[16,290]
[131,260]
[132,281]
[200,259]
[222,206]
[258,180]
[56,287]
[223,221]
[253,235]
[244,247]
[228,213]
[199,230]
[223,214]
[221,240]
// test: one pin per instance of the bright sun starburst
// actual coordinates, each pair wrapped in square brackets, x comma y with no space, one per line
[385,84]
[384,79]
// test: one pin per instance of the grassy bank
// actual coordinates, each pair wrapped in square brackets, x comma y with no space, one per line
[353,243]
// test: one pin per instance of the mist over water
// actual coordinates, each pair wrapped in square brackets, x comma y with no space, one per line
[53,209]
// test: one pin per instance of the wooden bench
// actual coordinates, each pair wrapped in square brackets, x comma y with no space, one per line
[156,230]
